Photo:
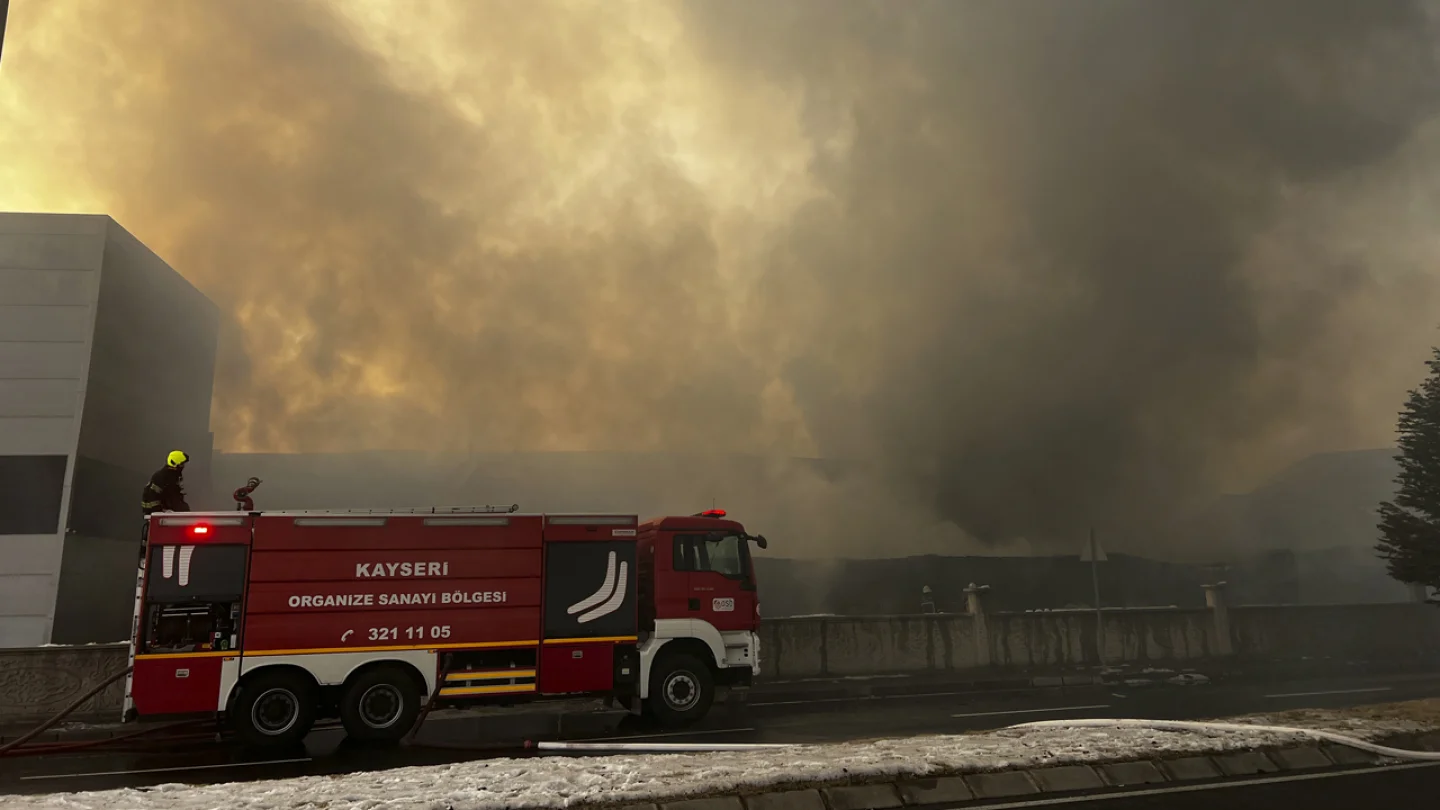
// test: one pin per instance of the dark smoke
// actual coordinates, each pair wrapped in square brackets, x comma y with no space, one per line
[1024,279]
[1040,228]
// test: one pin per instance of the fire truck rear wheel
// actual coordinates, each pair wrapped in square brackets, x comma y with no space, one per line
[681,690]
[274,709]
[380,705]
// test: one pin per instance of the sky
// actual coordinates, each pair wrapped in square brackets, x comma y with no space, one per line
[1038,264]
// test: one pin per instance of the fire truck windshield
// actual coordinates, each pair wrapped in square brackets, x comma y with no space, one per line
[719,552]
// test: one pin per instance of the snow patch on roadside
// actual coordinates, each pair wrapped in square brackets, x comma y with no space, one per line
[1349,722]
[513,784]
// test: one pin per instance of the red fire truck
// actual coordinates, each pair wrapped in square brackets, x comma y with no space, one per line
[273,620]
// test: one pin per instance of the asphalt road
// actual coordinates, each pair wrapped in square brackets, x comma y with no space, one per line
[812,721]
[1381,787]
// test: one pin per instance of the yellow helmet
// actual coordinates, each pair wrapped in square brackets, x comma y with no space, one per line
[176,458]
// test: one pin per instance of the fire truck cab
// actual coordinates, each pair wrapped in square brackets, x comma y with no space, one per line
[273,620]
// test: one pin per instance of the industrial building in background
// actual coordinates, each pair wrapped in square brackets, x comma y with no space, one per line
[107,362]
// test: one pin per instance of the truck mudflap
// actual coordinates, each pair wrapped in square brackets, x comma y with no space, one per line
[742,649]
[627,669]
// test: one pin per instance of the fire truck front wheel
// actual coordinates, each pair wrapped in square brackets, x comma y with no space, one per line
[274,709]
[380,705]
[681,690]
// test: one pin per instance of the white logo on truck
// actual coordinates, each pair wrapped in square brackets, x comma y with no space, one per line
[609,597]
[167,563]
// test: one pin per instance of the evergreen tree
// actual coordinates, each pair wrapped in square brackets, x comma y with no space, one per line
[1410,525]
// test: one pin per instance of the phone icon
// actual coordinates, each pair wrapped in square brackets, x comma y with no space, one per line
[347,635]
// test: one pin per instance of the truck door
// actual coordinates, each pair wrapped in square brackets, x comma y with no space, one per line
[719,580]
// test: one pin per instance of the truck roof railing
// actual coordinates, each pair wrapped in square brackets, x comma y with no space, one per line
[591,519]
[417,510]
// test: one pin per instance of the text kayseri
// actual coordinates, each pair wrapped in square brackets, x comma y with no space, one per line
[402,569]
[389,599]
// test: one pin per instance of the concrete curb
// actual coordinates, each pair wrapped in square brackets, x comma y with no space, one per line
[961,788]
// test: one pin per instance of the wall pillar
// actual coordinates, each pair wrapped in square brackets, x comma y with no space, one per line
[1220,612]
[975,606]
[1419,593]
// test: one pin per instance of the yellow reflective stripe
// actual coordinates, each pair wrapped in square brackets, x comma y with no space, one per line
[486,690]
[590,640]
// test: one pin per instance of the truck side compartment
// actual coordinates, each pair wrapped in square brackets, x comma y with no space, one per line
[188,618]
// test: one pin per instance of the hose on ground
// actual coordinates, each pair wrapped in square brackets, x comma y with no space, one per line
[48,724]
[424,714]
[1187,725]
[82,745]
[1157,725]
[662,748]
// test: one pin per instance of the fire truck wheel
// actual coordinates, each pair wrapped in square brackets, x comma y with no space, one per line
[681,690]
[380,705]
[274,709]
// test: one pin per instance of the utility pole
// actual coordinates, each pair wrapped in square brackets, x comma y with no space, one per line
[1096,555]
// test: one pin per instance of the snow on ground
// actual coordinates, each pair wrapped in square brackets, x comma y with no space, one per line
[555,782]
[1365,722]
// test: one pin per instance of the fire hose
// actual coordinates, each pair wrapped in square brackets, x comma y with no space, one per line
[17,747]
[409,738]
[49,724]
[1157,725]
[512,749]
[82,745]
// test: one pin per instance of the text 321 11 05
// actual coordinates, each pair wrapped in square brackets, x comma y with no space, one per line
[417,633]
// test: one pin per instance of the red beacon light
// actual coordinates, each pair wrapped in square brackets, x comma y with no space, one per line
[200,530]
[713,513]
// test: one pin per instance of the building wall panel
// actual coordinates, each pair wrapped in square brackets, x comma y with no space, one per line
[49,285]
[37,324]
[42,361]
[36,435]
[46,288]
[48,398]
[50,251]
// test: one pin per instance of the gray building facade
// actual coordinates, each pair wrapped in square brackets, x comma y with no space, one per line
[107,362]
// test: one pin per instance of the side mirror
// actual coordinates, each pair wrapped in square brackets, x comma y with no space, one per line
[761,541]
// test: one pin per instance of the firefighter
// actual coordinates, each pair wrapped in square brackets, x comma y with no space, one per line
[164,493]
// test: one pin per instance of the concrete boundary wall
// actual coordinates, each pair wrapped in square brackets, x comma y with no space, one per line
[1362,632]
[872,645]
[37,682]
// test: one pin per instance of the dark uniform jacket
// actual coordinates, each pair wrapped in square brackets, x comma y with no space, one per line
[164,493]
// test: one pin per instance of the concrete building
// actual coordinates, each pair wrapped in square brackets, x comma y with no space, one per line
[107,362]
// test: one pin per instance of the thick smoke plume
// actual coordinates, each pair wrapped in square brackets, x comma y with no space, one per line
[1039,235]
[1047,264]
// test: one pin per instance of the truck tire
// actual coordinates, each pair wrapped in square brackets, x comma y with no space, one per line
[681,690]
[274,709]
[380,705]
